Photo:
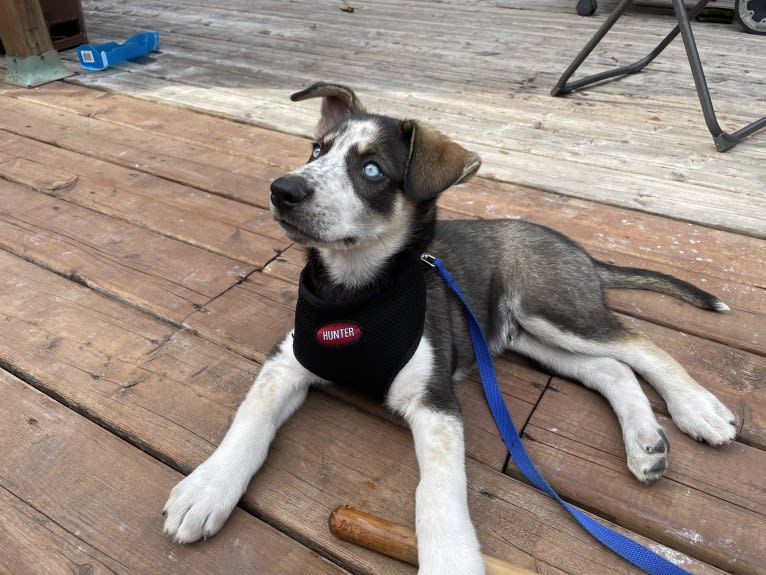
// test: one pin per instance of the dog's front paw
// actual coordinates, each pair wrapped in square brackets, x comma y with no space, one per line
[647,452]
[702,416]
[200,504]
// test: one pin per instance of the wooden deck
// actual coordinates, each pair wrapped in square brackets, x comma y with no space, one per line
[482,72]
[143,282]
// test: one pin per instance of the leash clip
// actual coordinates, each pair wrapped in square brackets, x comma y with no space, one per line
[428,259]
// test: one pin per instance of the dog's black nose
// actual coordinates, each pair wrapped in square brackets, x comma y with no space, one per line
[289,191]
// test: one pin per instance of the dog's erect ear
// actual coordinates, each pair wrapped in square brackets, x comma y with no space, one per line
[435,162]
[337,103]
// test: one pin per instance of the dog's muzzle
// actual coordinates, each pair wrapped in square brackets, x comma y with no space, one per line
[289,191]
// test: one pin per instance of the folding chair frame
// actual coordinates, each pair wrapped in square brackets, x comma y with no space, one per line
[723,140]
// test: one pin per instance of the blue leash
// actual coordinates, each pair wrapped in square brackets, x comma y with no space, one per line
[626,548]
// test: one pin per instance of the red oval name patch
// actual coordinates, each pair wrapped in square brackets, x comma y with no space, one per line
[338,333]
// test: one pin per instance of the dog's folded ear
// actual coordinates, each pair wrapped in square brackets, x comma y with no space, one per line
[435,162]
[337,103]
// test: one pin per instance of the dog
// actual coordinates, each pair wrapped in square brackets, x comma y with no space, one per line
[364,207]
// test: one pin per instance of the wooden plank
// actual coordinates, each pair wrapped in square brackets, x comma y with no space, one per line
[227,227]
[182,124]
[616,229]
[288,264]
[93,352]
[196,166]
[270,305]
[647,192]
[77,498]
[153,272]
[698,507]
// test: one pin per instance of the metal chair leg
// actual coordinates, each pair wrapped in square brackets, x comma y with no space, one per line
[563,86]
[723,141]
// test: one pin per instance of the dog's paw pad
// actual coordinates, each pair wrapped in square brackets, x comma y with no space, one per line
[662,445]
[647,453]
[702,416]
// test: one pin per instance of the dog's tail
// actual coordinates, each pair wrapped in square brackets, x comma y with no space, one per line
[637,278]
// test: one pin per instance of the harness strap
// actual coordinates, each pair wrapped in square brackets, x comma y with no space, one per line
[635,553]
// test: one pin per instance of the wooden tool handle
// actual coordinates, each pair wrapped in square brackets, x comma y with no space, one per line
[395,540]
[374,533]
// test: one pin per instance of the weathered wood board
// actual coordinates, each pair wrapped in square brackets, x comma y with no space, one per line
[100,252]
[482,72]
[241,231]
[141,289]
[567,437]
[67,508]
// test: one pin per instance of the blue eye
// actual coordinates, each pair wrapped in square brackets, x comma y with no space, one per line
[372,171]
[316,151]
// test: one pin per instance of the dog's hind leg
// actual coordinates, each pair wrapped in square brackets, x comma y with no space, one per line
[447,542]
[200,504]
[694,410]
[646,446]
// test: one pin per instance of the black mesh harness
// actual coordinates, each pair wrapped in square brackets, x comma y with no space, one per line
[364,342]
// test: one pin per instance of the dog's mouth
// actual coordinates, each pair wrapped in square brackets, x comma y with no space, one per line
[294,232]
[309,239]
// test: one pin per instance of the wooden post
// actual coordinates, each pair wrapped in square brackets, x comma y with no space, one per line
[30,56]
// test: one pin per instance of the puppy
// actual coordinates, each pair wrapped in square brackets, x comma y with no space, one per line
[372,315]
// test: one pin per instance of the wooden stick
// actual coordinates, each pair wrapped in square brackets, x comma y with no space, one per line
[394,540]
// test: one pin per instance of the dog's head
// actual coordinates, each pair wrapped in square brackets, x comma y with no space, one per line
[366,176]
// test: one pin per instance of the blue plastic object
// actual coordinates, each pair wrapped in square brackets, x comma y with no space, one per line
[101,56]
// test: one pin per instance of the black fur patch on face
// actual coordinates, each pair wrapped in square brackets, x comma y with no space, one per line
[376,167]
